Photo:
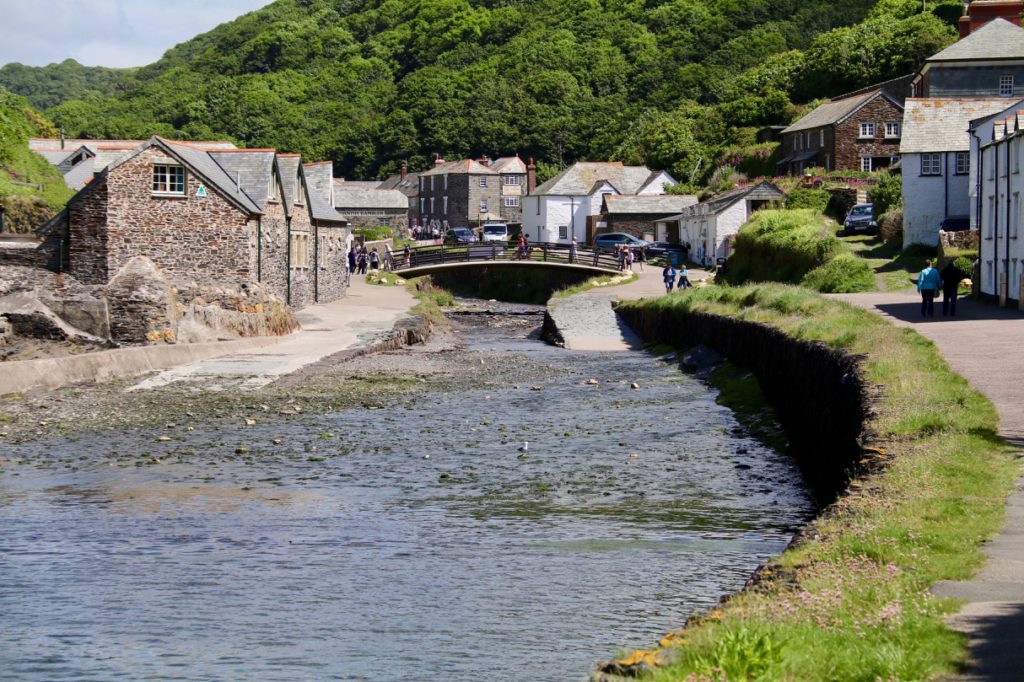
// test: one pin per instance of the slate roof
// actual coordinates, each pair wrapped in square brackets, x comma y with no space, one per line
[81,174]
[342,183]
[647,204]
[348,197]
[56,156]
[583,177]
[250,169]
[509,165]
[201,162]
[319,182]
[409,185]
[464,166]
[940,125]
[764,191]
[998,39]
[835,111]
[289,165]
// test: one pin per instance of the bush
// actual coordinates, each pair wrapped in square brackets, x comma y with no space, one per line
[813,199]
[887,194]
[374,234]
[781,246]
[844,274]
[890,225]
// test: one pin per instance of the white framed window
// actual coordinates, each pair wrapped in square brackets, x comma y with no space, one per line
[483,205]
[168,179]
[821,137]
[431,205]
[444,205]
[867,129]
[511,202]
[892,129]
[446,183]
[1006,86]
[423,205]
[513,180]
[991,216]
[300,195]
[865,164]
[931,164]
[1016,215]
[563,231]
[432,182]
[963,163]
[272,189]
[483,180]
[300,259]
[423,184]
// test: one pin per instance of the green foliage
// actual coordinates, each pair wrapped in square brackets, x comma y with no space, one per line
[372,83]
[964,264]
[374,234]
[844,274]
[741,655]
[47,86]
[811,199]
[887,194]
[30,187]
[781,246]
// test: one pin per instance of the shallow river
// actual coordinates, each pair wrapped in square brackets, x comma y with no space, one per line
[345,553]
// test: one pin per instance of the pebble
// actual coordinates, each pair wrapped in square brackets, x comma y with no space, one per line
[241,451]
[534,388]
[592,382]
[250,422]
[277,441]
[426,456]
[163,439]
[634,385]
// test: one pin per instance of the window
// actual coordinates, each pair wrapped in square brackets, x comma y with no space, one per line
[444,205]
[1016,215]
[432,182]
[511,202]
[867,129]
[483,205]
[963,163]
[512,180]
[423,184]
[821,137]
[168,180]
[300,251]
[991,216]
[300,194]
[431,205]
[483,180]
[892,129]
[931,164]
[1006,86]
[563,231]
[446,183]
[1015,150]
[423,206]
[865,164]
[272,188]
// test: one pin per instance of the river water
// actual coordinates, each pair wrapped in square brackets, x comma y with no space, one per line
[410,542]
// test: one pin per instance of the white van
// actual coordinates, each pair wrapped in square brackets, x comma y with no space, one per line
[495,232]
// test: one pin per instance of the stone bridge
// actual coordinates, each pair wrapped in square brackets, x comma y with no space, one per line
[429,260]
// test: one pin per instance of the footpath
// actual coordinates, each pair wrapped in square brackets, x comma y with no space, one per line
[983,344]
[587,321]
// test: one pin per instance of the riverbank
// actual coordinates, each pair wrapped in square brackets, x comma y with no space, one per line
[849,599]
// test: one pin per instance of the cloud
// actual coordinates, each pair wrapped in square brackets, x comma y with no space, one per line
[106,32]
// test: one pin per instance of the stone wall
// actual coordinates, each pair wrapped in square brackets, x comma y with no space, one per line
[819,393]
[636,225]
[333,263]
[87,235]
[396,219]
[303,275]
[850,147]
[273,256]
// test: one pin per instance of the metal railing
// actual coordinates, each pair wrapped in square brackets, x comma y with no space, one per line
[482,252]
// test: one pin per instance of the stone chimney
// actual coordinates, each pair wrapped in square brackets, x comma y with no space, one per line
[980,12]
[438,161]
[485,161]
[405,169]
[531,176]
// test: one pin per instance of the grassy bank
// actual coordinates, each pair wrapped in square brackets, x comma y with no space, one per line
[850,601]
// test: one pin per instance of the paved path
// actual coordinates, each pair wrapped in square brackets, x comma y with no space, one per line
[366,314]
[984,344]
[587,321]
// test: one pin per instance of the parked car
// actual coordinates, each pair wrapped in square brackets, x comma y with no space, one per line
[610,240]
[459,235]
[659,249]
[494,232]
[860,219]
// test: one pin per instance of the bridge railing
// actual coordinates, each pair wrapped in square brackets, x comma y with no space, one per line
[481,252]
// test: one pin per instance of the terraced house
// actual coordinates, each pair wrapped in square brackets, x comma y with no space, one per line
[210,216]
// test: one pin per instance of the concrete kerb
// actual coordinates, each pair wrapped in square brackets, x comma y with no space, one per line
[53,373]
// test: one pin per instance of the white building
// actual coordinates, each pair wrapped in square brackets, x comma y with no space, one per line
[935,153]
[566,205]
[710,227]
[996,211]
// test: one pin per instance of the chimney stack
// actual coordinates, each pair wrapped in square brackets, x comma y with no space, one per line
[531,177]
[62,137]
[980,12]
[405,169]
[438,161]
[485,161]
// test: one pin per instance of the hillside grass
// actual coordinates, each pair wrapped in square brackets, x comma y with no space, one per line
[850,602]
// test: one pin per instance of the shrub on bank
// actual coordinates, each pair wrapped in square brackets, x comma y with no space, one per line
[844,274]
[781,246]
[374,234]
[813,199]
[890,225]
[851,601]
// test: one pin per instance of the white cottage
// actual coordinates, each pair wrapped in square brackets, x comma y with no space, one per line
[560,208]
[711,226]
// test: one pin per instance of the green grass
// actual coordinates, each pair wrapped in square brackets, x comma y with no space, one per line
[432,300]
[852,604]
[603,281]
[895,270]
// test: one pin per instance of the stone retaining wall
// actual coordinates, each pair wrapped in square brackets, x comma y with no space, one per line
[820,395]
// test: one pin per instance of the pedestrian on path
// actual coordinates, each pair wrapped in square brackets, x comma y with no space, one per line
[928,283]
[374,259]
[684,278]
[951,277]
[669,275]
[630,256]
[361,261]
[352,260]
[407,255]
[389,258]
[641,257]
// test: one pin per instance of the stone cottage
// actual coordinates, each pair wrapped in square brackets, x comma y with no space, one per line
[463,193]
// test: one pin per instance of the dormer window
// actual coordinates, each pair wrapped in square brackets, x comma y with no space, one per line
[300,196]
[168,179]
[272,188]
[1006,86]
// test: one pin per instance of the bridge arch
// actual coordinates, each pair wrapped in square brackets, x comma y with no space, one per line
[429,260]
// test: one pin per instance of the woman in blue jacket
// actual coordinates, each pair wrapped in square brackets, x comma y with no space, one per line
[928,283]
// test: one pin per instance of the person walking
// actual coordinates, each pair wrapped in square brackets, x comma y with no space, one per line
[361,262]
[352,260]
[669,275]
[684,278]
[641,257]
[407,255]
[630,256]
[522,246]
[389,258]
[928,283]
[374,259]
[951,276]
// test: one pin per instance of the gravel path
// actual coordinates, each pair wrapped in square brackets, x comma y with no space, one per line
[983,344]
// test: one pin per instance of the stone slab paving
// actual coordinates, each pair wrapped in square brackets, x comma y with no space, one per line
[984,343]
[587,321]
[367,314]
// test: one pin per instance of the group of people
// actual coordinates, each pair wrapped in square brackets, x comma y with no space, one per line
[627,256]
[930,281]
[425,232]
[669,275]
[360,259]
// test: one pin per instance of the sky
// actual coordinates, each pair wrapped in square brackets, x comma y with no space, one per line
[106,32]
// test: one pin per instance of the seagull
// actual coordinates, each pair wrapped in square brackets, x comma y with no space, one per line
[524,451]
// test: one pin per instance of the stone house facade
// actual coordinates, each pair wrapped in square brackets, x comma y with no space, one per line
[513,188]
[639,215]
[462,193]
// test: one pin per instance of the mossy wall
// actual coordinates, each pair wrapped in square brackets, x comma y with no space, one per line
[821,398]
[512,285]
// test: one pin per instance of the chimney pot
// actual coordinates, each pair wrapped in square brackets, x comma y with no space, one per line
[531,177]
[405,169]
[438,161]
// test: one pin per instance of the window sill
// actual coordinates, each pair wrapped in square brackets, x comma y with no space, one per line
[169,195]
